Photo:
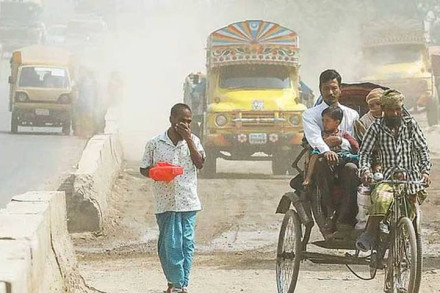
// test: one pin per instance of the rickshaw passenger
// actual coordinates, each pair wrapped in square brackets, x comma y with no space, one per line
[361,125]
[375,112]
[331,119]
[329,85]
[400,143]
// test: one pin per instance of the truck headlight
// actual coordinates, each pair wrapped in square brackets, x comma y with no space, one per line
[295,120]
[21,97]
[221,120]
[64,99]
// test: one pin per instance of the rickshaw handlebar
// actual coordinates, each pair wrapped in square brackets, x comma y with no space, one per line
[394,171]
[396,182]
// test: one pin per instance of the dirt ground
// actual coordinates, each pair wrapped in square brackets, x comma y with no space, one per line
[236,237]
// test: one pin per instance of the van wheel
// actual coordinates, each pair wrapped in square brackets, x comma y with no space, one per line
[14,123]
[66,128]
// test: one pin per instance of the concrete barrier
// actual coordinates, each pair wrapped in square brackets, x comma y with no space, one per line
[15,264]
[88,189]
[36,254]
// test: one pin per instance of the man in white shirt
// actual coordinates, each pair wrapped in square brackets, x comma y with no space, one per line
[176,202]
[343,212]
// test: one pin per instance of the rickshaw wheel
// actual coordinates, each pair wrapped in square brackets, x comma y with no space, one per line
[316,203]
[417,229]
[373,265]
[289,252]
[418,278]
[402,260]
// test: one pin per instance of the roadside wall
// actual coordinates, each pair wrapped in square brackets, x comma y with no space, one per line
[88,189]
[36,253]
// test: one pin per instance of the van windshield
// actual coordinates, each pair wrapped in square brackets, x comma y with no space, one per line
[254,77]
[43,77]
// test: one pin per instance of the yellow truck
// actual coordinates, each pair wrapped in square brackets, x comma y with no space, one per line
[41,88]
[395,54]
[251,106]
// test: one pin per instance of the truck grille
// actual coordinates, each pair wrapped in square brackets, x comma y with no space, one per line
[256,119]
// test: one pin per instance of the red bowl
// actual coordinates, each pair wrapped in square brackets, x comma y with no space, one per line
[164,171]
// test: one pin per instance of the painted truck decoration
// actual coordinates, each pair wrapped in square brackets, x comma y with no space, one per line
[250,108]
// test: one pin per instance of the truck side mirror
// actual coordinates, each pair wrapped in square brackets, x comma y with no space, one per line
[10,80]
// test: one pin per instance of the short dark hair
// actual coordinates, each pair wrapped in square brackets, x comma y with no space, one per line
[177,108]
[333,112]
[328,75]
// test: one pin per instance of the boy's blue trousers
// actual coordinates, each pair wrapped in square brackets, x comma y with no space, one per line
[176,245]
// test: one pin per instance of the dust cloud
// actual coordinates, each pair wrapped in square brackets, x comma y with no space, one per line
[163,41]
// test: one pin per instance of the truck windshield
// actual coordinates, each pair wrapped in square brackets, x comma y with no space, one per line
[254,77]
[394,54]
[43,77]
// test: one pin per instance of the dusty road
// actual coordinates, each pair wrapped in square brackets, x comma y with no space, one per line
[236,239]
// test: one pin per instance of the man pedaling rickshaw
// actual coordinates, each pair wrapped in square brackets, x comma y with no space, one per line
[343,219]
[400,143]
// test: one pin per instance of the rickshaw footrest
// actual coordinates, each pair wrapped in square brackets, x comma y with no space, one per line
[321,258]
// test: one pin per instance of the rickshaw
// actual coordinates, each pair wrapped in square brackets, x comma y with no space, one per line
[397,250]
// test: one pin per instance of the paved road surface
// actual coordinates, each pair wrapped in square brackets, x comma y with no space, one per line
[34,159]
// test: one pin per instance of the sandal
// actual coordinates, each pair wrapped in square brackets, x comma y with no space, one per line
[364,242]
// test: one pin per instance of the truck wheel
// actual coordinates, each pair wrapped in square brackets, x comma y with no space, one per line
[195,128]
[279,164]
[292,157]
[66,128]
[14,123]
[209,169]
[432,111]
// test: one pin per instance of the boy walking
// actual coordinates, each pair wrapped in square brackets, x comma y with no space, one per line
[176,202]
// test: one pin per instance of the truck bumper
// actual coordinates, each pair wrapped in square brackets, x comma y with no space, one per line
[247,144]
